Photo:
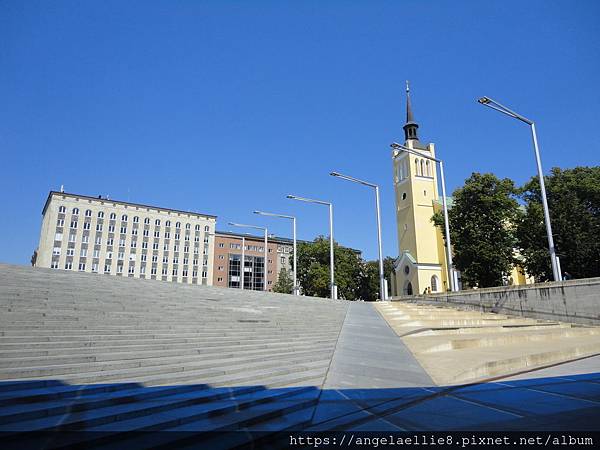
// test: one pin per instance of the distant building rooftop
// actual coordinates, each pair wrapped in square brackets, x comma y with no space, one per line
[279,240]
[121,202]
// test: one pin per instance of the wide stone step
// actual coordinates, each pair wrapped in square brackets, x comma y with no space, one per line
[183,404]
[39,391]
[487,348]
[72,360]
[206,331]
[525,361]
[167,363]
[196,347]
[540,335]
[75,399]
[89,347]
[151,356]
[294,407]
[142,370]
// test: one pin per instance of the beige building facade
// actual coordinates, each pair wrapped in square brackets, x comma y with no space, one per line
[105,236]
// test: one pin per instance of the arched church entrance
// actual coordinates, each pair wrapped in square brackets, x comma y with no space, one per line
[434,283]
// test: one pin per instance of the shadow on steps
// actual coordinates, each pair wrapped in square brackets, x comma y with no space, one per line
[53,414]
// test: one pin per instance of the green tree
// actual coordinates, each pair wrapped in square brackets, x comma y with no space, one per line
[482,220]
[370,278]
[388,270]
[285,283]
[574,204]
[313,269]
[369,287]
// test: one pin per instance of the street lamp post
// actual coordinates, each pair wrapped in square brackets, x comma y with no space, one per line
[321,202]
[266,260]
[451,273]
[486,101]
[382,288]
[283,216]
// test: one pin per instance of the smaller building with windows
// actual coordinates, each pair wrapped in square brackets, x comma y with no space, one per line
[112,237]
[228,257]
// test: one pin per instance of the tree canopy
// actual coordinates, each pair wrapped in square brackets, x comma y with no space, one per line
[355,278]
[482,220]
[313,269]
[574,204]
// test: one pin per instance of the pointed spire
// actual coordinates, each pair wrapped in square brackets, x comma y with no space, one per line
[410,127]
[409,114]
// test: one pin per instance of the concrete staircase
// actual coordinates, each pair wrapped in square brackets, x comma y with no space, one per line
[456,346]
[100,361]
[108,354]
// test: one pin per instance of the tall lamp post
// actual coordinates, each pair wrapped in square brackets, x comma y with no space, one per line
[382,287]
[266,260]
[293,219]
[451,273]
[321,202]
[486,101]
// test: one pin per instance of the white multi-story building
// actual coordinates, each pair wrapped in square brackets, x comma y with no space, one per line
[106,236]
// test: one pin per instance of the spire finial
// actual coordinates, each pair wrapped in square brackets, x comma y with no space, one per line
[407,87]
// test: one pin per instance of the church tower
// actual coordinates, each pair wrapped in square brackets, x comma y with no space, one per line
[421,262]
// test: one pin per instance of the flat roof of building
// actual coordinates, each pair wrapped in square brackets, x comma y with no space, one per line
[120,202]
[279,240]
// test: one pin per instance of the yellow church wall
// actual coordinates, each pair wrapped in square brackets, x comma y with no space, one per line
[405,216]
[424,276]
[427,251]
[518,276]
[416,191]
[441,248]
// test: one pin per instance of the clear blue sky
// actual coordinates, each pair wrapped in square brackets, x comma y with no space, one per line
[226,107]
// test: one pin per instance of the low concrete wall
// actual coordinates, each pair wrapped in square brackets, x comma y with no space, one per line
[575,301]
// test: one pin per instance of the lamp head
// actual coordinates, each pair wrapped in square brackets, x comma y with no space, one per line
[484,100]
[334,174]
[290,196]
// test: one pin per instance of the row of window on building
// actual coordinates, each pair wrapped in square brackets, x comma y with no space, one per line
[131,269]
[124,218]
[58,237]
[121,256]
[254,248]
[134,231]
